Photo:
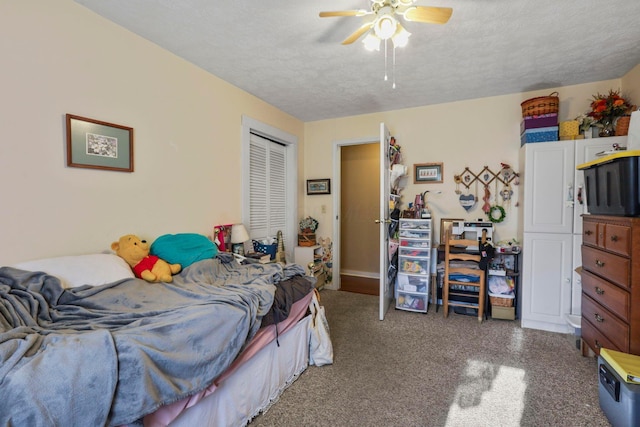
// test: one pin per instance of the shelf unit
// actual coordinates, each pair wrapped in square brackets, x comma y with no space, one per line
[504,267]
[414,263]
[310,258]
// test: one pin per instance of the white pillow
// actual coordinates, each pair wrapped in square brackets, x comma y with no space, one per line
[78,270]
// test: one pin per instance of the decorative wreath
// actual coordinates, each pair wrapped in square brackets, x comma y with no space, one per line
[492,214]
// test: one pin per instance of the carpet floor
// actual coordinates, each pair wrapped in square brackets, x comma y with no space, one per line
[416,369]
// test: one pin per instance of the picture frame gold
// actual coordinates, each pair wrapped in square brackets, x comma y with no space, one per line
[95,144]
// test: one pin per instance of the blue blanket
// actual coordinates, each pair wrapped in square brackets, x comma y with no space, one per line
[107,355]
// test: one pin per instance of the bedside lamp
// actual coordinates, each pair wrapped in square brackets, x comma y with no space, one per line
[239,235]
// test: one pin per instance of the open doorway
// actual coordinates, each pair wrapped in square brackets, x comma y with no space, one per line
[359,208]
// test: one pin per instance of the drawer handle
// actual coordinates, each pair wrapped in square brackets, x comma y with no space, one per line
[598,344]
[599,263]
[588,232]
[598,318]
[614,238]
[599,290]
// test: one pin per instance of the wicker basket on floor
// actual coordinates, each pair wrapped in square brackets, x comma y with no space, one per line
[541,105]
[501,302]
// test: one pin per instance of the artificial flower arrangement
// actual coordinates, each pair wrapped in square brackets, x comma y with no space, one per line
[308,225]
[605,109]
[585,122]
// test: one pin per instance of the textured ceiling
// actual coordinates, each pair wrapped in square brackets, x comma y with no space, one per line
[283,53]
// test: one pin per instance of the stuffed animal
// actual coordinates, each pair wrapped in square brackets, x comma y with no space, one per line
[148,267]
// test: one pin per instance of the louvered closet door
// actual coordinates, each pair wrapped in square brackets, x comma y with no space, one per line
[267,185]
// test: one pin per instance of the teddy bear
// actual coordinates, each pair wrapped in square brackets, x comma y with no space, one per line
[148,267]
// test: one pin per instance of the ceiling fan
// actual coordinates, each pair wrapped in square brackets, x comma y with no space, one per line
[382,22]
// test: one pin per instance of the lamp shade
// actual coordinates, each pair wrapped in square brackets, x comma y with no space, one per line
[239,233]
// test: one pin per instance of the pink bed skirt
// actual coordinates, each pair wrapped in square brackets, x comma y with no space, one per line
[167,413]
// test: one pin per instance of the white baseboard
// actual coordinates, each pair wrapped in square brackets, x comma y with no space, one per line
[356,273]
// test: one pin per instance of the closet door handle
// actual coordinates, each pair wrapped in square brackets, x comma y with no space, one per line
[598,318]
[599,290]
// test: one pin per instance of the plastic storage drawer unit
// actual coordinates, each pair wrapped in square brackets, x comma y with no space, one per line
[612,184]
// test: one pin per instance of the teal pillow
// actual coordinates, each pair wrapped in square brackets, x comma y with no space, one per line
[183,249]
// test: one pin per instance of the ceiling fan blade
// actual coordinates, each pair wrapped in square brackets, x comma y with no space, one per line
[359,12]
[357,33]
[428,14]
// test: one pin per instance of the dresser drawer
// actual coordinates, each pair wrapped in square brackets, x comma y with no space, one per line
[610,296]
[609,325]
[614,267]
[590,233]
[617,238]
[595,339]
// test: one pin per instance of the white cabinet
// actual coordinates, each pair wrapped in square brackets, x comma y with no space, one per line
[310,258]
[546,280]
[414,263]
[553,198]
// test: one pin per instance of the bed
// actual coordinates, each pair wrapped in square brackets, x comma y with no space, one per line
[215,347]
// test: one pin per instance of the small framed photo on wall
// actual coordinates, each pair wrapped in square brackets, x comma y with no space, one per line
[424,173]
[318,186]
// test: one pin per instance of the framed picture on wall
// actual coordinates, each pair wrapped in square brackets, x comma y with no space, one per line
[444,224]
[427,173]
[95,144]
[318,186]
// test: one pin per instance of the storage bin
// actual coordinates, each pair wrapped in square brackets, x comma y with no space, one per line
[408,301]
[409,283]
[540,121]
[612,184]
[569,128]
[413,265]
[266,249]
[619,400]
[541,105]
[500,300]
[505,313]
[539,135]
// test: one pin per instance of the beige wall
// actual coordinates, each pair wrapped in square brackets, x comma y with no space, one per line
[471,133]
[59,57]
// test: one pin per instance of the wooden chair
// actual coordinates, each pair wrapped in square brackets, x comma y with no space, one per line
[449,295]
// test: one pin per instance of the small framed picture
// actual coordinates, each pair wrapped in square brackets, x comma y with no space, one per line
[427,173]
[319,186]
[95,144]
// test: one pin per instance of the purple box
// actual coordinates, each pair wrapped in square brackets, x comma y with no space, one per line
[541,121]
[539,135]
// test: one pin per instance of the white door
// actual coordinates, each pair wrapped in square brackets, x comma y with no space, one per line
[386,292]
[546,281]
[548,187]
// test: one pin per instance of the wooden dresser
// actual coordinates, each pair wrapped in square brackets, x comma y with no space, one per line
[611,283]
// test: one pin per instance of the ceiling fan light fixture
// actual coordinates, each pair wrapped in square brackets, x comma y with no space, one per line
[385,26]
[401,37]
[371,42]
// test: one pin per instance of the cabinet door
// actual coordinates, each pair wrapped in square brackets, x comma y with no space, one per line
[548,187]
[546,281]
[586,151]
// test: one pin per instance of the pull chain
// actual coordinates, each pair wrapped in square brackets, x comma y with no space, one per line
[385,61]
